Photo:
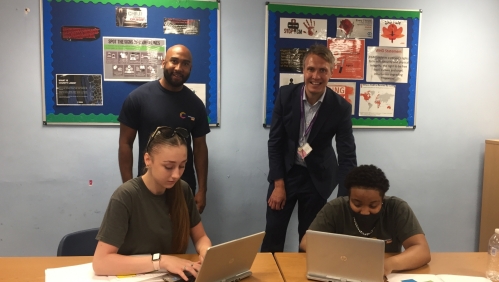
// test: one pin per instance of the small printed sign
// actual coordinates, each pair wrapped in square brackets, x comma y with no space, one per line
[181,26]
[303,28]
[354,28]
[80,33]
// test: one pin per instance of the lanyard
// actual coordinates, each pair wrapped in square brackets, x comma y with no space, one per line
[306,131]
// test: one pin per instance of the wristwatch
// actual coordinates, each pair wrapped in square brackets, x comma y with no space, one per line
[155,260]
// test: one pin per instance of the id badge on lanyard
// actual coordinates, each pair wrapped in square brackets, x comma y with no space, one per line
[305,149]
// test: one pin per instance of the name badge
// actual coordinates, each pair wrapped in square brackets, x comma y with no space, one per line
[304,150]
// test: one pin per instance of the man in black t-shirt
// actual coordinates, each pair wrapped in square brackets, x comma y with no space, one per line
[167,102]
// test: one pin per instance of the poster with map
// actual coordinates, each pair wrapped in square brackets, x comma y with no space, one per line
[377,100]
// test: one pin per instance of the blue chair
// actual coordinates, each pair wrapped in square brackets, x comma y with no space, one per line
[79,243]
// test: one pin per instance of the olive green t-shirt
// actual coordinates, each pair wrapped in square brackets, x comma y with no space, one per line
[138,222]
[397,222]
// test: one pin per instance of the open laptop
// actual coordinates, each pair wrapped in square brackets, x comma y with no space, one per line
[338,257]
[229,262]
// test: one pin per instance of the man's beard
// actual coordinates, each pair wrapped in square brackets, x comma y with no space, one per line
[168,77]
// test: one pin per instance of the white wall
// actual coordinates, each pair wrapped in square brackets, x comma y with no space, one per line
[437,168]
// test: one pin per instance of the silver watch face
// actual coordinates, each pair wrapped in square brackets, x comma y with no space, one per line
[156,256]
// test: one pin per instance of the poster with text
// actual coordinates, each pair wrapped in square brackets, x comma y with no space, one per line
[290,78]
[78,89]
[303,28]
[354,28]
[291,59]
[180,26]
[376,100]
[385,64]
[80,33]
[133,59]
[131,17]
[349,57]
[393,33]
[345,90]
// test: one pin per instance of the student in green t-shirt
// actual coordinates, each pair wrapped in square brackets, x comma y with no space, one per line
[153,215]
[367,212]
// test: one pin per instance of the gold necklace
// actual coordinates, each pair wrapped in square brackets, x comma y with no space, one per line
[360,231]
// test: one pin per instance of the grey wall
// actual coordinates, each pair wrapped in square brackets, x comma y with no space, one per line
[437,168]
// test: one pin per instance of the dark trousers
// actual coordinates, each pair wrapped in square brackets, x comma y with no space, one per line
[299,188]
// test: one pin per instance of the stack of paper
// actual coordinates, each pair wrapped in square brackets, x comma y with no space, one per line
[85,273]
[395,277]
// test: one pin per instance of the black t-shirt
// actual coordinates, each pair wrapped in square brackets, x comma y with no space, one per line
[151,105]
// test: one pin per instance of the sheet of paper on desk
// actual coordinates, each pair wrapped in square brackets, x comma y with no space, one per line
[396,277]
[85,273]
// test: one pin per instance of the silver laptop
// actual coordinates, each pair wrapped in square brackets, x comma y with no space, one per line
[337,257]
[228,262]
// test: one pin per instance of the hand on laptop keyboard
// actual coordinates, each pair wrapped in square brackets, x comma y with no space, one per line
[176,278]
[181,267]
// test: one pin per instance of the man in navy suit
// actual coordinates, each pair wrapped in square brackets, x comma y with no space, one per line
[303,163]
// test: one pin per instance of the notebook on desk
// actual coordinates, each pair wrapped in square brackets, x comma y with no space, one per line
[337,257]
[229,262]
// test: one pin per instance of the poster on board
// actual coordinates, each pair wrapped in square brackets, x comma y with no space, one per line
[133,59]
[345,90]
[291,59]
[377,100]
[386,64]
[393,33]
[181,26]
[135,17]
[303,28]
[349,57]
[199,89]
[79,90]
[354,28]
[290,78]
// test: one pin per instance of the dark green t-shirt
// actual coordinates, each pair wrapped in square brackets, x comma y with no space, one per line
[138,222]
[396,224]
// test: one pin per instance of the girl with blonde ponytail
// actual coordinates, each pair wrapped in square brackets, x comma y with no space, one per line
[153,214]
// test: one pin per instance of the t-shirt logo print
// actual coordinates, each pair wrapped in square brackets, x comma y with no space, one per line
[183,115]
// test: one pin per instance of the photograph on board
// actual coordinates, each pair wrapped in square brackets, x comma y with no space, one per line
[131,17]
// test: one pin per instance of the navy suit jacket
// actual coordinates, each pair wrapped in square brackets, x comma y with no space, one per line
[333,119]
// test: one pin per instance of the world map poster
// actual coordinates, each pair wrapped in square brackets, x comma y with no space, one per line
[377,100]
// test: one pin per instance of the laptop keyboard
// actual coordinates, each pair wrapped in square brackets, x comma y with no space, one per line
[177,278]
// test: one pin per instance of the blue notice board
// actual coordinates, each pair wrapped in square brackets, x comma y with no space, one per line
[77,88]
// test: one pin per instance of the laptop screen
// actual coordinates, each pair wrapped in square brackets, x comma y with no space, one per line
[230,261]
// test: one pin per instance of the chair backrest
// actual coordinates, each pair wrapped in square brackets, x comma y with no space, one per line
[79,243]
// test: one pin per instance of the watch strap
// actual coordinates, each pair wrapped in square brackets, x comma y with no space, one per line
[155,261]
